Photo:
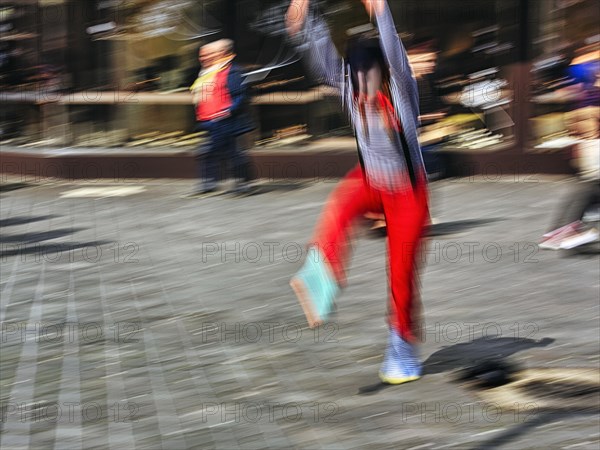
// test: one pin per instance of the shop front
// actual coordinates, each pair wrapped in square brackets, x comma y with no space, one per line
[506,79]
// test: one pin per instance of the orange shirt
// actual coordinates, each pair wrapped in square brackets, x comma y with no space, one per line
[214,97]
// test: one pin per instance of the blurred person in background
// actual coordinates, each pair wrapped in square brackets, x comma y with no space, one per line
[379,91]
[578,217]
[220,101]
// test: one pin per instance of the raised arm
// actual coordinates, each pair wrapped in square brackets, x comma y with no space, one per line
[396,58]
[309,34]
[392,47]
[296,16]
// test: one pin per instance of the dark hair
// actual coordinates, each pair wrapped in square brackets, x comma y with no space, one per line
[362,53]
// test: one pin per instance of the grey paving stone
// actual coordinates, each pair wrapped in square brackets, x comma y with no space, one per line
[181,330]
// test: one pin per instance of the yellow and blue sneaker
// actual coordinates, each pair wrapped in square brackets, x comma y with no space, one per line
[401,363]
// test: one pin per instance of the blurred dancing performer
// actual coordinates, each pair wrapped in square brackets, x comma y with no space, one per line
[379,91]
[220,99]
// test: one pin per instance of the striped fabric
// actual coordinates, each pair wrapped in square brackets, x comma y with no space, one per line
[401,362]
[385,166]
[385,159]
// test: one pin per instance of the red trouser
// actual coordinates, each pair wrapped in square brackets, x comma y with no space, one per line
[406,215]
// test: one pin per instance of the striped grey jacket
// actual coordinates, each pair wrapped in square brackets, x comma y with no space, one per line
[388,164]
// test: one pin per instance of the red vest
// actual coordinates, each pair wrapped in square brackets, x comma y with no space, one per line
[214,97]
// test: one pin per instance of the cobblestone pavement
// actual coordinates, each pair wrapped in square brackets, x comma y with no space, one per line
[135,318]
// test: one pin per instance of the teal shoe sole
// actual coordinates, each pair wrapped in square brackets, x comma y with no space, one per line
[315,288]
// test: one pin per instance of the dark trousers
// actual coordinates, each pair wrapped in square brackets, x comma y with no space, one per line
[583,194]
[220,152]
